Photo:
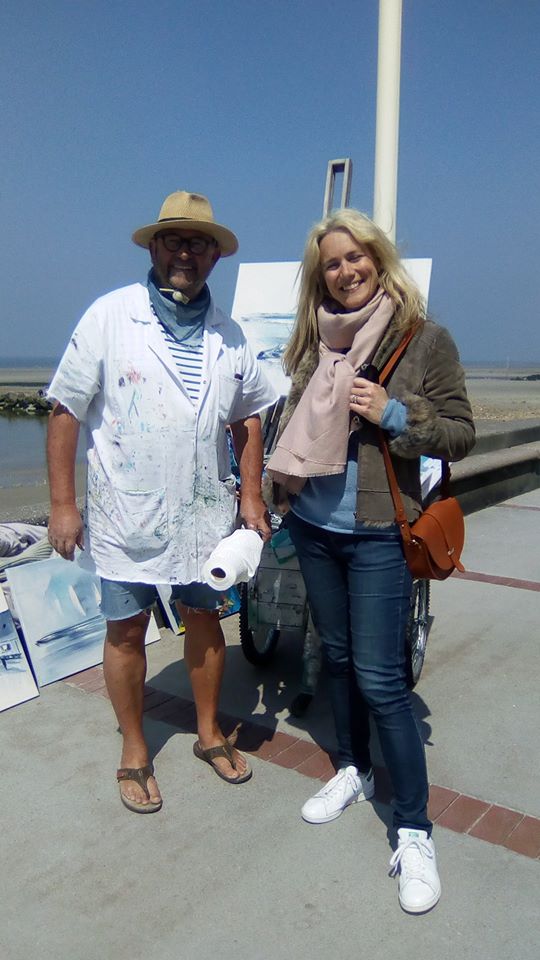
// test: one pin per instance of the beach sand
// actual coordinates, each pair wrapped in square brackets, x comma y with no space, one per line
[494,395]
[24,379]
[494,398]
[31,503]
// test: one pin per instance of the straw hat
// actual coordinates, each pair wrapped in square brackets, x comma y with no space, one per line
[188,211]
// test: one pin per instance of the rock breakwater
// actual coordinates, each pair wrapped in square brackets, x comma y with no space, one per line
[33,404]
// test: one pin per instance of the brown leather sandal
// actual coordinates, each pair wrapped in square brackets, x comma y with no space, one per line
[139,775]
[223,750]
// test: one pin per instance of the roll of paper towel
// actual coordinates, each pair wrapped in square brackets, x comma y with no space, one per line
[235,559]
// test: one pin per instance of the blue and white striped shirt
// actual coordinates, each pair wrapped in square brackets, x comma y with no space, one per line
[189,361]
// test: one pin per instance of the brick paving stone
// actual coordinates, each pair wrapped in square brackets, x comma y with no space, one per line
[439,799]
[74,680]
[252,735]
[292,756]
[85,678]
[448,808]
[93,684]
[525,838]
[164,709]
[230,725]
[498,581]
[496,824]
[155,698]
[187,721]
[185,703]
[94,671]
[462,813]
[179,713]
[319,766]
[263,743]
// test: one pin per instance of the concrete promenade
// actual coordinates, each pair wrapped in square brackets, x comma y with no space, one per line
[227,872]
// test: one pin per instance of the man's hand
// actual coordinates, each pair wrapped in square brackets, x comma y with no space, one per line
[65,523]
[248,446]
[255,516]
[66,530]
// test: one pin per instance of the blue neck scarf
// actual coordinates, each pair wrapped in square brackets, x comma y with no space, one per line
[184,321]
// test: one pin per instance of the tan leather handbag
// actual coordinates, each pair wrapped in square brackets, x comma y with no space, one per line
[432,544]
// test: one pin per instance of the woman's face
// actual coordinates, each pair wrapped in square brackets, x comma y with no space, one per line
[348,271]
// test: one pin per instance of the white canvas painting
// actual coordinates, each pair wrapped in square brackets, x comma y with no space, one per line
[16,681]
[170,614]
[420,270]
[265,305]
[57,603]
[231,605]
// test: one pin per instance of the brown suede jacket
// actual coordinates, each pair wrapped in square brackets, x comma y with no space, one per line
[430,381]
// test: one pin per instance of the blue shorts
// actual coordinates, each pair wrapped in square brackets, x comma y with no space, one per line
[120,600]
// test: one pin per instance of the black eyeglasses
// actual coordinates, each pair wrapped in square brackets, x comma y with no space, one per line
[174,243]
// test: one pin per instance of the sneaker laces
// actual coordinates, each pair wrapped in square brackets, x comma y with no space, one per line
[336,784]
[410,858]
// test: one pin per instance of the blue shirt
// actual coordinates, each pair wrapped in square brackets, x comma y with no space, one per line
[330,502]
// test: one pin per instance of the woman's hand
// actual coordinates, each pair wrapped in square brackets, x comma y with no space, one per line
[368,399]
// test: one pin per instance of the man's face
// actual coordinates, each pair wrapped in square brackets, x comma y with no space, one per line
[182,269]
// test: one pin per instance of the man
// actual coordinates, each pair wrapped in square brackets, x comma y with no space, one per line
[156,373]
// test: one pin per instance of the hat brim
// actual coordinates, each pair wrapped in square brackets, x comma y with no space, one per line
[228,243]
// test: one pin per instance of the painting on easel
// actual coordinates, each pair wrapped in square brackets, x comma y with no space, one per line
[264,306]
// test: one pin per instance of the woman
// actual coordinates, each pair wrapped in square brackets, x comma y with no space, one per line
[356,303]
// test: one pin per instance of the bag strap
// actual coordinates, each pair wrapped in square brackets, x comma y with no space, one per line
[401,347]
[401,517]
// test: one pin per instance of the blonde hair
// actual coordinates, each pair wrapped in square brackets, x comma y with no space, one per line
[408,301]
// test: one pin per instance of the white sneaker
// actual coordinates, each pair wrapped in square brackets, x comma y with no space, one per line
[419,886]
[348,786]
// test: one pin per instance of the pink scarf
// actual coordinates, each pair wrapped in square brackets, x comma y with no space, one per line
[314,442]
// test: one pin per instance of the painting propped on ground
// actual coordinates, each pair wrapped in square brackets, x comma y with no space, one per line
[265,304]
[16,681]
[57,603]
[231,605]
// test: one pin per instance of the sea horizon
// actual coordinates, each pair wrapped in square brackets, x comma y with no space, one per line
[18,363]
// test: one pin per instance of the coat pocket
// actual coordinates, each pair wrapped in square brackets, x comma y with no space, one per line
[143,526]
[229,391]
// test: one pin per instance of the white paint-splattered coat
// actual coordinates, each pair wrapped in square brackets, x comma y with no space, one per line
[160,491]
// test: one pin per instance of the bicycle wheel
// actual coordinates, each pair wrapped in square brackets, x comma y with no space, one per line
[417,631]
[258,646]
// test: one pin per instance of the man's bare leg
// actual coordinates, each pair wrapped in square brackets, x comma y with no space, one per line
[204,651]
[124,667]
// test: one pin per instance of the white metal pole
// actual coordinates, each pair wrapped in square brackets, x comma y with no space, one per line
[387,124]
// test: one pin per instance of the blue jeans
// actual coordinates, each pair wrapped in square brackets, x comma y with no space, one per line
[359,588]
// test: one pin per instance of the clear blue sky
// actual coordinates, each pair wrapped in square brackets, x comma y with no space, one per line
[108,106]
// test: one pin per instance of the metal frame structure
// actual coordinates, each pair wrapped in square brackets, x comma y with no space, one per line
[336,167]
